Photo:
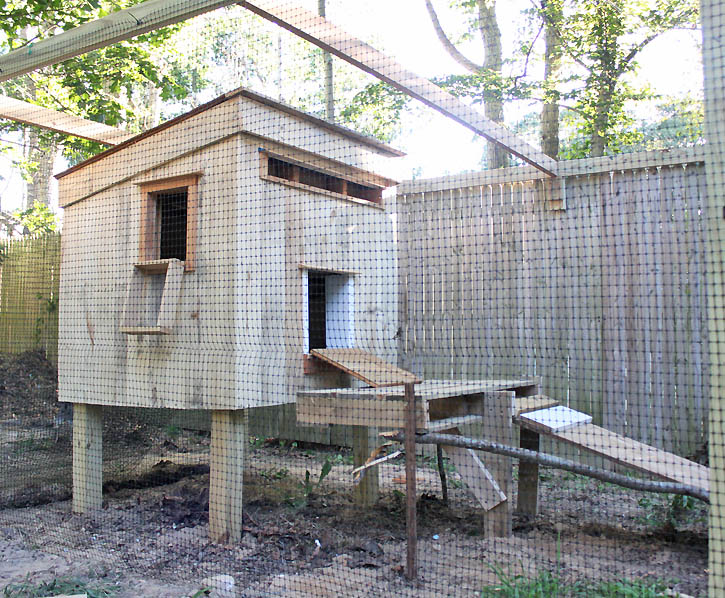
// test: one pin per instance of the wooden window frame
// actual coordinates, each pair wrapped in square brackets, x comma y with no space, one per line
[148,237]
[342,183]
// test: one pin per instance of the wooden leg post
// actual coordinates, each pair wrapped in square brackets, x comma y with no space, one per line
[87,457]
[364,441]
[528,501]
[410,489]
[442,474]
[498,427]
[228,444]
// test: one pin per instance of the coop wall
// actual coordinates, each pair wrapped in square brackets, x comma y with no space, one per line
[237,338]
[301,230]
[194,365]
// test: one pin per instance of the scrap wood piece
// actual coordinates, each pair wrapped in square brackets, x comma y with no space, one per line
[60,122]
[366,367]
[554,419]
[533,403]
[475,474]
[359,472]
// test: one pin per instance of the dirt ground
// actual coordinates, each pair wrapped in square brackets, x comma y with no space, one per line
[151,538]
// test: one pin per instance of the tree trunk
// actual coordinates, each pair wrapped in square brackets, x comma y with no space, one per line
[552,70]
[497,157]
[329,90]
[43,158]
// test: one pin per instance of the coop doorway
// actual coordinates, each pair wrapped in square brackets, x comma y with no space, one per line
[328,310]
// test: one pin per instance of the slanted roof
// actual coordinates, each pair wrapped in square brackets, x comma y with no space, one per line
[370,142]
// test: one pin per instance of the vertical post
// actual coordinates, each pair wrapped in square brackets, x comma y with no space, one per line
[442,474]
[712,14]
[528,501]
[410,490]
[87,457]
[228,444]
[364,442]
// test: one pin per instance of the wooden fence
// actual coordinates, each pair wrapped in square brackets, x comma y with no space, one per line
[29,275]
[594,281]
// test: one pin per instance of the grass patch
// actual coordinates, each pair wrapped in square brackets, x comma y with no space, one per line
[56,587]
[549,585]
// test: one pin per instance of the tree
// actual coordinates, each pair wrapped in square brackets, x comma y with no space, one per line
[37,219]
[481,21]
[602,41]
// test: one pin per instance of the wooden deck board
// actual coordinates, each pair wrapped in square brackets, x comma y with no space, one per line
[366,367]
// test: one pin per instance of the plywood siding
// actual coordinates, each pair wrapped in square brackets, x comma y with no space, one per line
[193,367]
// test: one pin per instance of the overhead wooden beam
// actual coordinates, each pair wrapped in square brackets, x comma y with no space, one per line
[337,41]
[60,122]
[116,27]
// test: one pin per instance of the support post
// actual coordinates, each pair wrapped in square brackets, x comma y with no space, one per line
[410,489]
[228,444]
[442,474]
[364,441]
[87,457]
[712,17]
[498,411]
[528,500]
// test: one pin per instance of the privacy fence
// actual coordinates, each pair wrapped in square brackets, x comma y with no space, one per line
[29,278]
[595,282]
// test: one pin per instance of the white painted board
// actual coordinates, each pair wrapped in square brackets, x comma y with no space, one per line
[556,419]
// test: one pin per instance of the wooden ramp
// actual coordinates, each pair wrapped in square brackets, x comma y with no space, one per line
[576,428]
[366,367]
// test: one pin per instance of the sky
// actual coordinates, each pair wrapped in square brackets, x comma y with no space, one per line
[434,144]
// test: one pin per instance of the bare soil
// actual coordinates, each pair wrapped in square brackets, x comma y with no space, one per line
[151,538]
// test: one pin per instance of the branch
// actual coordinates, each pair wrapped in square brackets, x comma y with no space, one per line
[557,463]
[448,44]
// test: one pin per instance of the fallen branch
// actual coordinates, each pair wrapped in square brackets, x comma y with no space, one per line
[557,463]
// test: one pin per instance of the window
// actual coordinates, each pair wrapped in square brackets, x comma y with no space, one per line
[168,220]
[278,169]
[329,310]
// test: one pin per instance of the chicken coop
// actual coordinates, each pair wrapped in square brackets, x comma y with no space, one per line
[202,262]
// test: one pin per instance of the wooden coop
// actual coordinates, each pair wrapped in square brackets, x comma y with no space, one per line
[202,262]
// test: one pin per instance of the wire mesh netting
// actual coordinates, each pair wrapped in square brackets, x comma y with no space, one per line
[412,299]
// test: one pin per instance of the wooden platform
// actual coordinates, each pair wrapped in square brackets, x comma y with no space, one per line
[365,366]
[384,407]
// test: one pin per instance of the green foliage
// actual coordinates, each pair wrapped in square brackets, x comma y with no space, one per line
[550,585]
[310,487]
[56,587]
[109,85]
[49,307]
[376,111]
[38,219]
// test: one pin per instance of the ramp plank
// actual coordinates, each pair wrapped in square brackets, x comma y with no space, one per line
[637,455]
[366,367]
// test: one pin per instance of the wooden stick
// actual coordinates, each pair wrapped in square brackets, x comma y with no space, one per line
[442,473]
[557,463]
[410,490]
